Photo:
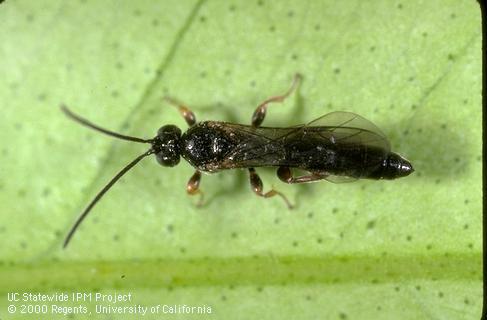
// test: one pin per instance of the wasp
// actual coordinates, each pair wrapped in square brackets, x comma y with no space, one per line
[338,146]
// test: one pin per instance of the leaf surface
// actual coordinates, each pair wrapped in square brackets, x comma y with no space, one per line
[405,249]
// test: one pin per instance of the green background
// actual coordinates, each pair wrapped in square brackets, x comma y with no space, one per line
[405,249]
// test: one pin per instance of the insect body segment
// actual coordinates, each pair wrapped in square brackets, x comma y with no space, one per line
[167,146]
[213,146]
[338,147]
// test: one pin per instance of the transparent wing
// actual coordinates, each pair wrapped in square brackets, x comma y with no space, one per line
[349,128]
[340,179]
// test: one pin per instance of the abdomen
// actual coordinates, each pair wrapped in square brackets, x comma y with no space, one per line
[319,155]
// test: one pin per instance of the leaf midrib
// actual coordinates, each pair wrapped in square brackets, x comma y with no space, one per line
[261,271]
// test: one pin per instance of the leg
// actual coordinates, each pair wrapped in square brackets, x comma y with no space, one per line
[285,174]
[259,113]
[257,187]
[187,114]
[193,185]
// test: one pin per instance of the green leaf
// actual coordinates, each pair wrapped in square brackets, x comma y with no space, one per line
[404,249]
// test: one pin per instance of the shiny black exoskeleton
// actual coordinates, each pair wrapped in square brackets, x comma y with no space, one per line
[339,146]
[212,146]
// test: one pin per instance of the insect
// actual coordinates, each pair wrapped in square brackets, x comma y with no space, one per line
[338,147]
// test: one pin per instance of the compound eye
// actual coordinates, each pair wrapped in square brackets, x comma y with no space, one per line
[169,130]
[167,158]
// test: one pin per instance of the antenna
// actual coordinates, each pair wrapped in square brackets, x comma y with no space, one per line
[86,123]
[101,193]
[107,187]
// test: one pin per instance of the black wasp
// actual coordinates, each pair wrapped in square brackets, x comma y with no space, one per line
[339,146]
